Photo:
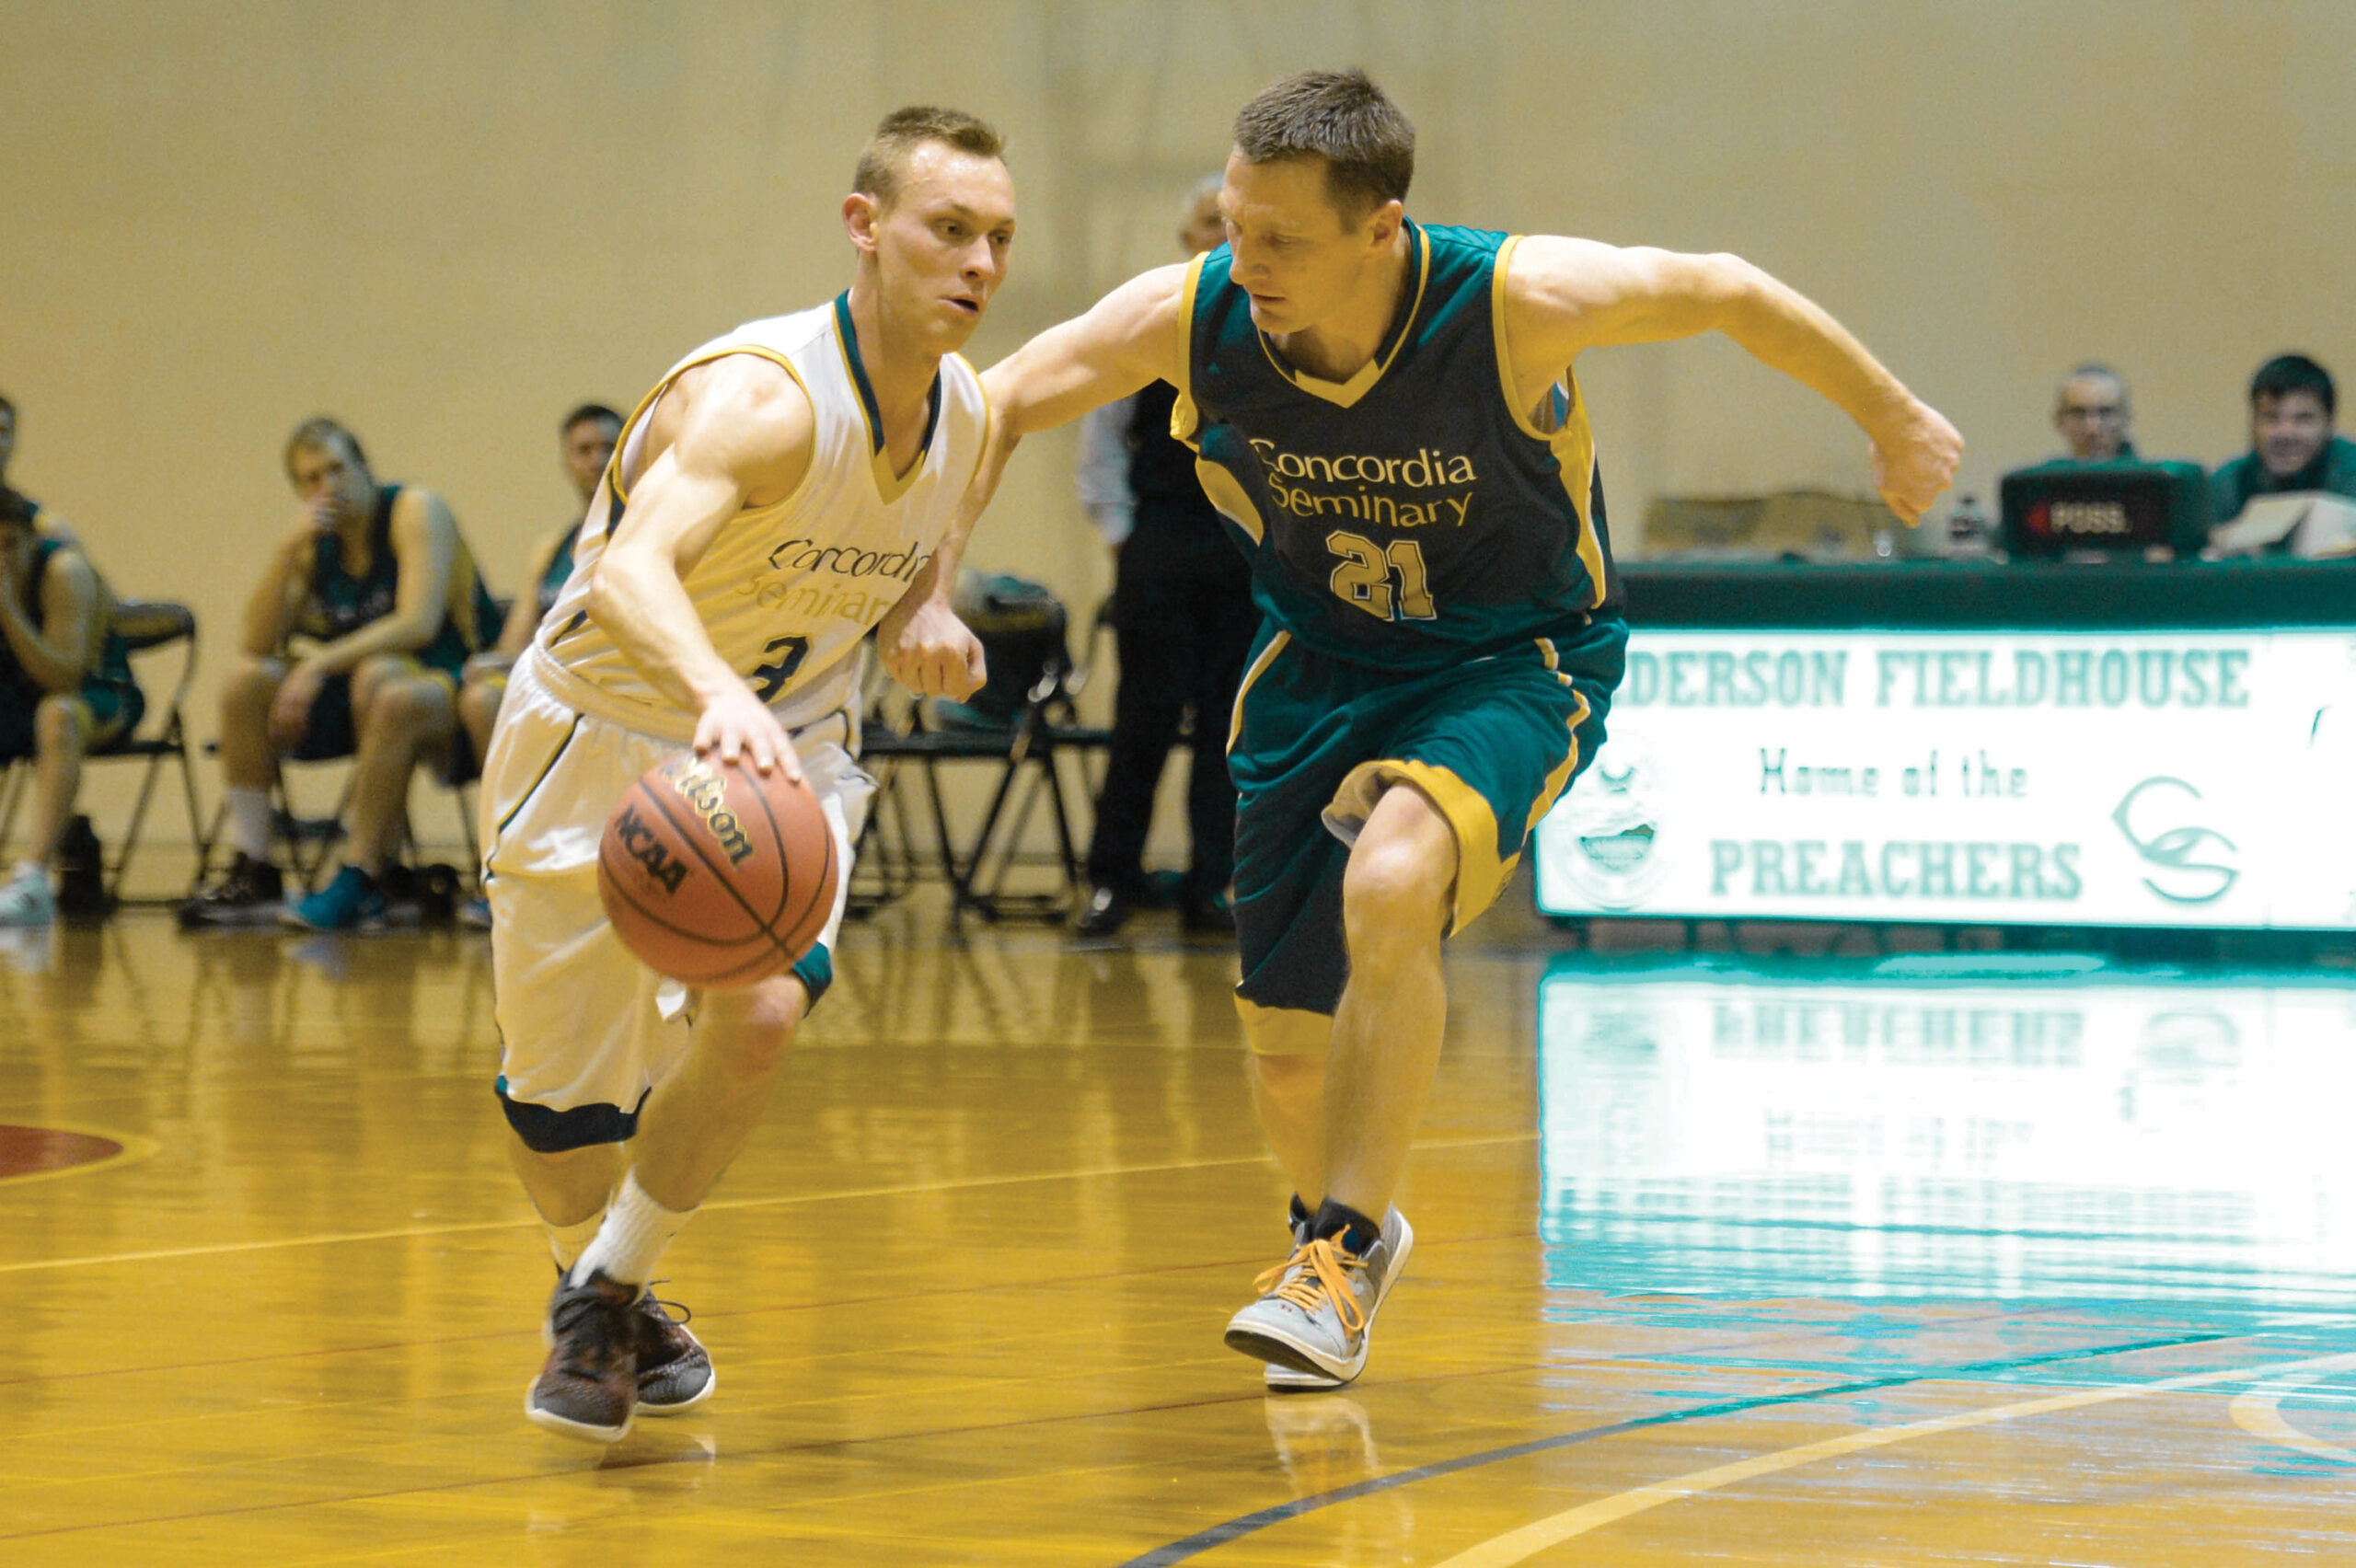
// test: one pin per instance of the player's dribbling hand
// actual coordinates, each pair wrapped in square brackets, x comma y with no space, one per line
[737,726]
[932,652]
[1915,462]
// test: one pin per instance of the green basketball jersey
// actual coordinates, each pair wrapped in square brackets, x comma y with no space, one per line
[1410,517]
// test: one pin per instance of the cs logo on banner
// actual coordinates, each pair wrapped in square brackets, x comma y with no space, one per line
[1614,815]
[2185,878]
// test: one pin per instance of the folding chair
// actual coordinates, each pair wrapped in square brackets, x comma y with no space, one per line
[1021,724]
[148,627]
[1029,763]
[309,840]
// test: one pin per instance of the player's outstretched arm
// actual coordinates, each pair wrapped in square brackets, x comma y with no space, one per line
[738,435]
[1564,295]
[1134,335]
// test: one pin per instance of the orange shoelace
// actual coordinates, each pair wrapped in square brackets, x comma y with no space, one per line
[1322,1276]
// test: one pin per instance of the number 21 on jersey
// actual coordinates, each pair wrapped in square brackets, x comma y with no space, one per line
[1386,582]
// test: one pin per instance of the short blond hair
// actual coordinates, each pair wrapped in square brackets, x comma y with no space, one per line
[321,432]
[902,130]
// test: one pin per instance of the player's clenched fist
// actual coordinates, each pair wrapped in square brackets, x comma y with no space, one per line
[1913,464]
[931,652]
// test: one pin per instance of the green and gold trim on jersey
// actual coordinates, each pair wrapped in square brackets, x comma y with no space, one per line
[1344,394]
[889,485]
[1277,645]
[1483,869]
[1559,778]
[1566,431]
[1220,487]
[1186,417]
[1284,1032]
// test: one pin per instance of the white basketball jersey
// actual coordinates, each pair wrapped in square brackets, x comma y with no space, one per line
[786,591]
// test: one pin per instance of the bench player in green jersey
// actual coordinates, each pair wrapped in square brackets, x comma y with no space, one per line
[1384,413]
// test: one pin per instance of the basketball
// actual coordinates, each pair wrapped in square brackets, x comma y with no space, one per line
[716,874]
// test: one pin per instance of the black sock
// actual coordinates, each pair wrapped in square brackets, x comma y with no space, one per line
[1297,1218]
[1339,1222]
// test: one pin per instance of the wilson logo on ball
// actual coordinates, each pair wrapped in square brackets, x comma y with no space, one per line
[702,788]
[717,874]
[644,845]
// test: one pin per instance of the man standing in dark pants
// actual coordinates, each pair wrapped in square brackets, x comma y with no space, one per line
[1183,619]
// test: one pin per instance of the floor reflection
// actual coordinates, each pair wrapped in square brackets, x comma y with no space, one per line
[1925,1126]
[1324,1442]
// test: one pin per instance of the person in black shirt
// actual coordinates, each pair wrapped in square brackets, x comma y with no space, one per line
[379,585]
[1183,619]
[587,438]
[66,687]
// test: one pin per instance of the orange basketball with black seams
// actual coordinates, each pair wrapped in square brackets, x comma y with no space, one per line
[717,874]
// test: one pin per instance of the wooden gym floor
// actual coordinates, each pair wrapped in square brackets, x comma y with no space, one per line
[1773,1262]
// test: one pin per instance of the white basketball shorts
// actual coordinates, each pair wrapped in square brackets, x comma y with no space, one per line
[585,1029]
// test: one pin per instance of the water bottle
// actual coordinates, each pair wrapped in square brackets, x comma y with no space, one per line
[1971,535]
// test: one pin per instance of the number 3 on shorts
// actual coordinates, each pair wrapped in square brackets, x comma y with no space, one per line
[786,654]
[1363,576]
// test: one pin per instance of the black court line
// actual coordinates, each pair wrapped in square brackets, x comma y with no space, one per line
[1248,1523]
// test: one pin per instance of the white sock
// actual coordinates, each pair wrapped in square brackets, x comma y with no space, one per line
[567,1242]
[249,819]
[630,1242]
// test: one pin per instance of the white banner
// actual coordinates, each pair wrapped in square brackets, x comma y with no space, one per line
[1806,1132]
[2178,778]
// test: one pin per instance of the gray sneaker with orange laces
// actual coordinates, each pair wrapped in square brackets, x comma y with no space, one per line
[1316,1310]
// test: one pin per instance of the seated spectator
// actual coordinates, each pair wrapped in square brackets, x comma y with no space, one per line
[2091,410]
[587,438]
[587,435]
[66,687]
[379,583]
[2293,447]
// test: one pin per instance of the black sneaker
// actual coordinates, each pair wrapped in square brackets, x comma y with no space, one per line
[1206,914]
[674,1370]
[248,894]
[589,1387]
[1106,911]
[81,872]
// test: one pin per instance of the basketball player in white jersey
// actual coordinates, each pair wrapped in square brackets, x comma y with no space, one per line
[782,491]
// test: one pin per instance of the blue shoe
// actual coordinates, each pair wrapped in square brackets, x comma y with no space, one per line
[352,902]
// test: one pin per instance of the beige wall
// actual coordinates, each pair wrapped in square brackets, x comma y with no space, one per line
[449,222]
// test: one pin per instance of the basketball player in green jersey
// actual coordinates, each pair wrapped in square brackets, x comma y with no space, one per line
[1385,414]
